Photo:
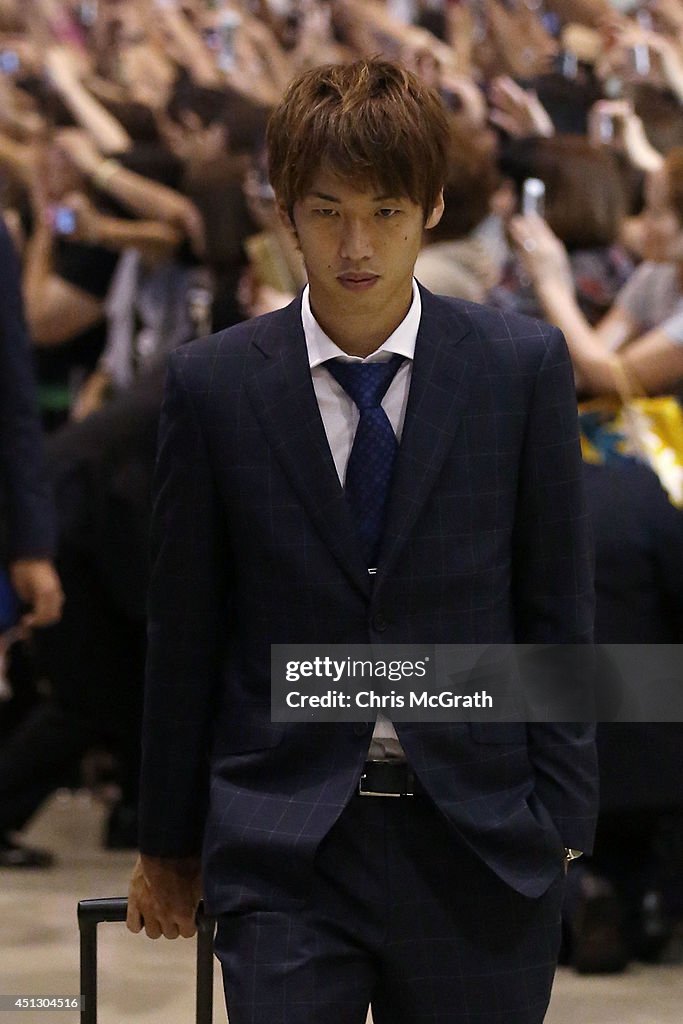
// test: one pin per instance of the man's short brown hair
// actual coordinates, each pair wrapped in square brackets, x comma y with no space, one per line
[371,122]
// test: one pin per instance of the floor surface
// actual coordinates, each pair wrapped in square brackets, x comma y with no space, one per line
[146,981]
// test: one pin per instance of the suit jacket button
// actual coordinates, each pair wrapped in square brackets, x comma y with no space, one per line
[360,728]
[379,622]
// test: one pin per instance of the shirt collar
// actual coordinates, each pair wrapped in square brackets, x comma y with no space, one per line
[321,348]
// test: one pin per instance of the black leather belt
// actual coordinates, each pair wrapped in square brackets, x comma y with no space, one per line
[387,778]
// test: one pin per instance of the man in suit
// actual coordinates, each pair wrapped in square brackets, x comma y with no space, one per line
[28,517]
[442,904]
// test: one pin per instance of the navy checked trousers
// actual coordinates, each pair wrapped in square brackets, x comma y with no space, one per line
[401,916]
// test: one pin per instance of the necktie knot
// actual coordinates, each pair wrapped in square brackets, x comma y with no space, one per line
[365,383]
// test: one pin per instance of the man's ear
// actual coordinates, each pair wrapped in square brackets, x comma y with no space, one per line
[437,213]
[287,222]
[285,219]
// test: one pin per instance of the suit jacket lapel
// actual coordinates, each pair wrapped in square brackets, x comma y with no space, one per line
[280,389]
[439,393]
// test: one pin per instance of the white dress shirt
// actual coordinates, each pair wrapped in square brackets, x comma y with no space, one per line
[340,417]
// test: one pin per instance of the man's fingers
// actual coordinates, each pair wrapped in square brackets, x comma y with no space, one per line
[171,925]
[187,927]
[133,918]
[163,897]
[155,926]
[157,921]
[152,928]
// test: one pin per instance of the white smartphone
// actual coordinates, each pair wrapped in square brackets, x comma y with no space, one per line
[533,197]
[639,55]
[227,28]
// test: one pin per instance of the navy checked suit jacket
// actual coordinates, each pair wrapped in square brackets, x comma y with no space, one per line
[487,541]
[28,511]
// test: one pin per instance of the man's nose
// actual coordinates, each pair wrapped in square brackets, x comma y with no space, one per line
[356,243]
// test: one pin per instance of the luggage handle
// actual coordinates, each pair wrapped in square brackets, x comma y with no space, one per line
[93,912]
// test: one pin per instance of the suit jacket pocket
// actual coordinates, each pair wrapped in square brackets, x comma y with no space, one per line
[498,732]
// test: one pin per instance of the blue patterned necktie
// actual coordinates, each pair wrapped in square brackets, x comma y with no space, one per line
[371,462]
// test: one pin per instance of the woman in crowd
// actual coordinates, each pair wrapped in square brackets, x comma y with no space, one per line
[585,206]
[638,347]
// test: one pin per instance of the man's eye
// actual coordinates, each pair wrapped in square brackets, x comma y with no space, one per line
[325,212]
[386,212]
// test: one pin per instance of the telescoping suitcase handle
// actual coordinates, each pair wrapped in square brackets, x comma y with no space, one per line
[93,912]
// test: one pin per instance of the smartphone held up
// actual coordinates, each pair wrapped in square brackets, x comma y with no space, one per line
[533,197]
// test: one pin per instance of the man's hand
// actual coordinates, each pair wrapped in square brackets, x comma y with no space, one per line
[37,584]
[163,896]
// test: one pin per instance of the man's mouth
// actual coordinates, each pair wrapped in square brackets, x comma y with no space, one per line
[357,282]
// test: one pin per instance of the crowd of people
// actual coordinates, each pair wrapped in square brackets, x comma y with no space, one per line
[136,194]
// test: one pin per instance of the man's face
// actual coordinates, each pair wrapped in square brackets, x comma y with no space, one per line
[359,248]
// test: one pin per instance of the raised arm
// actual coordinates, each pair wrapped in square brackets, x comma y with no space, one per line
[154,239]
[651,363]
[106,132]
[615,122]
[142,196]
